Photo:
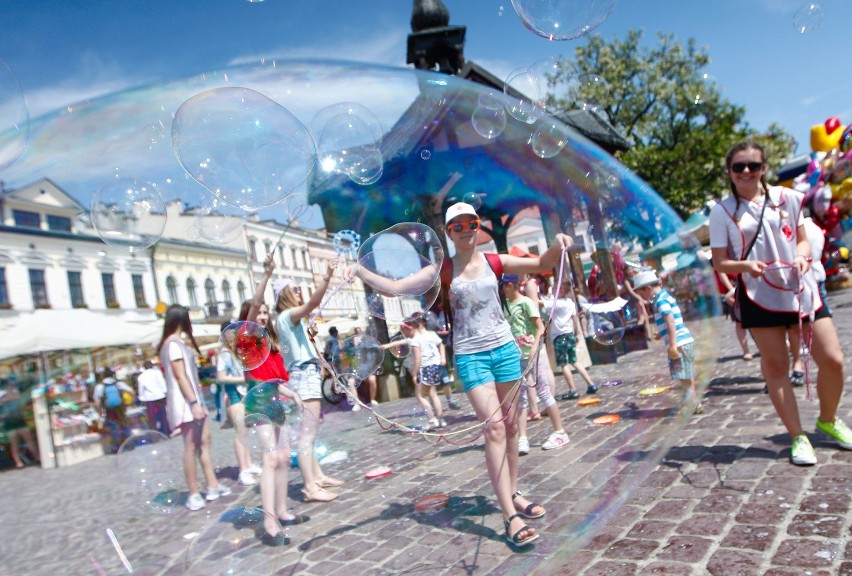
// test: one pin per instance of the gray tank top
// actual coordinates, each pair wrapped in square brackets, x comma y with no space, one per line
[478,321]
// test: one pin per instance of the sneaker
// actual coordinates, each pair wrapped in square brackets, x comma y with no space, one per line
[255,469]
[802,453]
[356,407]
[699,409]
[442,423]
[555,440]
[374,404]
[837,431]
[523,446]
[592,389]
[572,395]
[247,478]
[453,405]
[214,493]
[433,423]
[195,502]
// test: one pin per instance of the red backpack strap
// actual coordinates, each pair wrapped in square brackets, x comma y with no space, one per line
[447,272]
[496,265]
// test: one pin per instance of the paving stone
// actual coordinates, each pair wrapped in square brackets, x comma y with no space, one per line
[750,537]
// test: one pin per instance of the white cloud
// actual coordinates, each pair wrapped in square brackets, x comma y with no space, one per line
[385,48]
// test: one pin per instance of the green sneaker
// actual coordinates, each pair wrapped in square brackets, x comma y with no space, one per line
[837,431]
[802,453]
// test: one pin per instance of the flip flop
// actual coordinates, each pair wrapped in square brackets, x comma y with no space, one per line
[528,511]
[296,519]
[797,378]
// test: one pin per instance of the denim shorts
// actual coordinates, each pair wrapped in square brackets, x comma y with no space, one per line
[306,381]
[683,368]
[501,364]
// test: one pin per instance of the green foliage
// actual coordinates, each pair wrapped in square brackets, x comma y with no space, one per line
[674,115]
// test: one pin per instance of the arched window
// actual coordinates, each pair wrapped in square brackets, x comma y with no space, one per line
[226,294]
[241,291]
[190,290]
[210,292]
[171,287]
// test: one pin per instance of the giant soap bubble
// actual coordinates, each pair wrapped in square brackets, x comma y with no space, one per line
[562,19]
[128,214]
[14,117]
[525,198]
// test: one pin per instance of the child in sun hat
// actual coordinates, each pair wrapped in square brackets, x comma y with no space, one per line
[673,331]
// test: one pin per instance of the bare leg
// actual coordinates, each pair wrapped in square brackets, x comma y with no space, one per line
[15,449]
[269,486]
[205,458]
[569,378]
[775,366]
[436,402]
[501,444]
[582,372]
[828,355]
[742,337]
[237,413]
[418,393]
[308,464]
[795,349]
[190,431]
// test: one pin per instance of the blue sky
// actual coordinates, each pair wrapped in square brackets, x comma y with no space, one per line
[64,52]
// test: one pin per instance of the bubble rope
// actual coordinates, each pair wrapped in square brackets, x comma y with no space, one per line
[388,424]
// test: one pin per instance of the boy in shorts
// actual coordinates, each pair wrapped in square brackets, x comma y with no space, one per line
[671,329]
[564,328]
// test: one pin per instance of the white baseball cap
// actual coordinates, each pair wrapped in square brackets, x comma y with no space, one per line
[459,209]
[644,278]
[278,285]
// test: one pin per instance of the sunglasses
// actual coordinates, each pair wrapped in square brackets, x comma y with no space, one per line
[469,225]
[739,167]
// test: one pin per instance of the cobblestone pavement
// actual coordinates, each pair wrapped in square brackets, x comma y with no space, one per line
[723,500]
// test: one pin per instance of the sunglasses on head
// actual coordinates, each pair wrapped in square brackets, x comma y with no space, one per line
[739,167]
[469,225]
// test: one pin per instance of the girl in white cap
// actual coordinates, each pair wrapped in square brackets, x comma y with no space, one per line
[488,360]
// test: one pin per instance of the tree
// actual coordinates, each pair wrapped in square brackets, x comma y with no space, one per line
[672,112]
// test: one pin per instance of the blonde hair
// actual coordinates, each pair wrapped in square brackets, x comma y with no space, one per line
[286,300]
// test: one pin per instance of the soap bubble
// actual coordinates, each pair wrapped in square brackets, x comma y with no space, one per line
[606,328]
[349,139]
[243,147]
[399,346]
[562,19]
[247,343]
[549,138]
[217,221]
[544,87]
[409,252]
[808,18]
[258,435]
[359,355]
[266,398]
[472,198]
[14,117]
[128,214]
[582,190]
[703,89]
[146,465]
[404,305]
[592,93]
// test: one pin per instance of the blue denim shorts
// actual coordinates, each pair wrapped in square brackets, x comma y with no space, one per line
[501,364]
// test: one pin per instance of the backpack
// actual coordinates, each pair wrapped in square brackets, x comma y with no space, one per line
[112,395]
[447,277]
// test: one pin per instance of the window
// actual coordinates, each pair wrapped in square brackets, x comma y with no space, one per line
[26,219]
[268,246]
[210,291]
[281,256]
[139,291]
[171,287]
[75,288]
[58,223]
[293,257]
[533,249]
[190,291]
[108,280]
[39,289]
[226,294]
[4,291]
[253,250]
[241,291]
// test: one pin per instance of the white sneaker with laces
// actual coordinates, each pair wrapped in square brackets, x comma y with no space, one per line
[523,446]
[215,493]
[247,478]
[195,502]
[555,440]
